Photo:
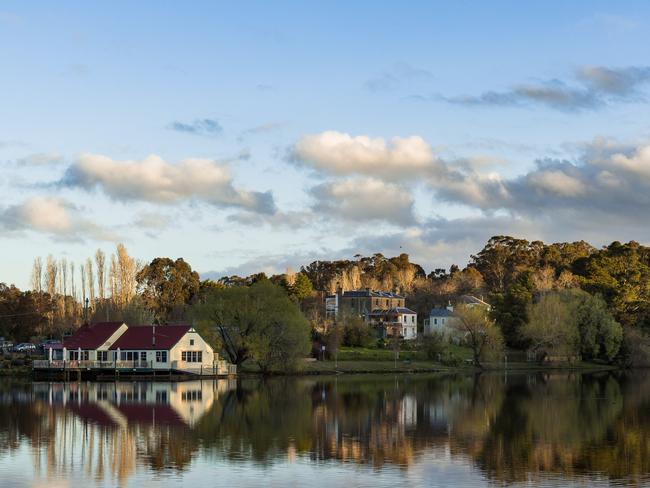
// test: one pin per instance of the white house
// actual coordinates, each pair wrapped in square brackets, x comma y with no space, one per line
[440,320]
[106,344]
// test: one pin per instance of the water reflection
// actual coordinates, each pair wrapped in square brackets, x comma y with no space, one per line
[558,428]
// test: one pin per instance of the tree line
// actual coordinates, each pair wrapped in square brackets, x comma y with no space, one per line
[549,298]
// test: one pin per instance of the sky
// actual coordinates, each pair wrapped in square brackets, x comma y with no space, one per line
[256,136]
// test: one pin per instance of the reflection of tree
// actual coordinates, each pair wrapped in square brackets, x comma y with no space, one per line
[513,428]
[560,424]
[373,420]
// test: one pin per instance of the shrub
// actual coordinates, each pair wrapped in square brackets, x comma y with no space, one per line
[357,333]
[435,346]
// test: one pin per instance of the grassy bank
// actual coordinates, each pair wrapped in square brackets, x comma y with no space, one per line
[357,360]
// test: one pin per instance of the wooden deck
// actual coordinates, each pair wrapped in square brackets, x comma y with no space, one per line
[78,369]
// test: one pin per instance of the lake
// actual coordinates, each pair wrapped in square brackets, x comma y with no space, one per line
[556,430]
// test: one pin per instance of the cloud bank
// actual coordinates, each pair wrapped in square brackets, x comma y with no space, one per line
[51,215]
[158,181]
[593,87]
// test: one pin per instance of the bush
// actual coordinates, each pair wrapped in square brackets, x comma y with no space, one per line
[435,346]
[356,333]
[635,349]
[451,359]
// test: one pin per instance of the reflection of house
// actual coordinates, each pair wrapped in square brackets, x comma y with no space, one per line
[122,403]
[106,429]
[400,320]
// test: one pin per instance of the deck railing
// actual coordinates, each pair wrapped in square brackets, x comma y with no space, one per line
[221,367]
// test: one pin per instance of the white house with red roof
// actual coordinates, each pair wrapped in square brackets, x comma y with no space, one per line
[118,346]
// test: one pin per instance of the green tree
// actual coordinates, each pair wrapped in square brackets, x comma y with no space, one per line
[620,273]
[480,331]
[166,285]
[257,322]
[510,310]
[551,328]
[600,335]
[301,287]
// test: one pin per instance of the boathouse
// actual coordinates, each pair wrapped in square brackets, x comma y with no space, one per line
[115,347]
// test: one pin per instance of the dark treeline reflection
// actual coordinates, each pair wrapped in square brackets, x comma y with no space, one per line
[510,427]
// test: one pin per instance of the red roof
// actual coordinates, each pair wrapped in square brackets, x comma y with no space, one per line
[150,414]
[91,336]
[140,337]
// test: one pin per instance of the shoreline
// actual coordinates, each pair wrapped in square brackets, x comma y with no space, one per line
[358,367]
[328,368]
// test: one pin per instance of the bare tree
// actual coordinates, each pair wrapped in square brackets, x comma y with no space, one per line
[100,262]
[112,278]
[90,278]
[51,275]
[73,290]
[82,275]
[37,275]
[127,269]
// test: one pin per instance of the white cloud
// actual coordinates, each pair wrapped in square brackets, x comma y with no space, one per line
[156,180]
[364,199]
[557,182]
[340,153]
[51,215]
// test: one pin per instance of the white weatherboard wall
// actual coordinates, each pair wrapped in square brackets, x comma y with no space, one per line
[185,345]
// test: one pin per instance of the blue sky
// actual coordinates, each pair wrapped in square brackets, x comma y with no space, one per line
[258,135]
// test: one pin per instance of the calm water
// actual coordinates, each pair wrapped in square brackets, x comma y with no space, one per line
[488,430]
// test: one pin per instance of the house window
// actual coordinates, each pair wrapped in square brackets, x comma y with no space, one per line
[443,321]
[102,355]
[161,356]
[191,396]
[129,355]
[143,356]
[435,321]
[412,319]
[191,342]
[192,356]
[161,396]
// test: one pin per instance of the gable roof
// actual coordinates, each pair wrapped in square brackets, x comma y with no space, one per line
[91,336]
[370,293]
[440,312]
[392,311]
[141,337]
